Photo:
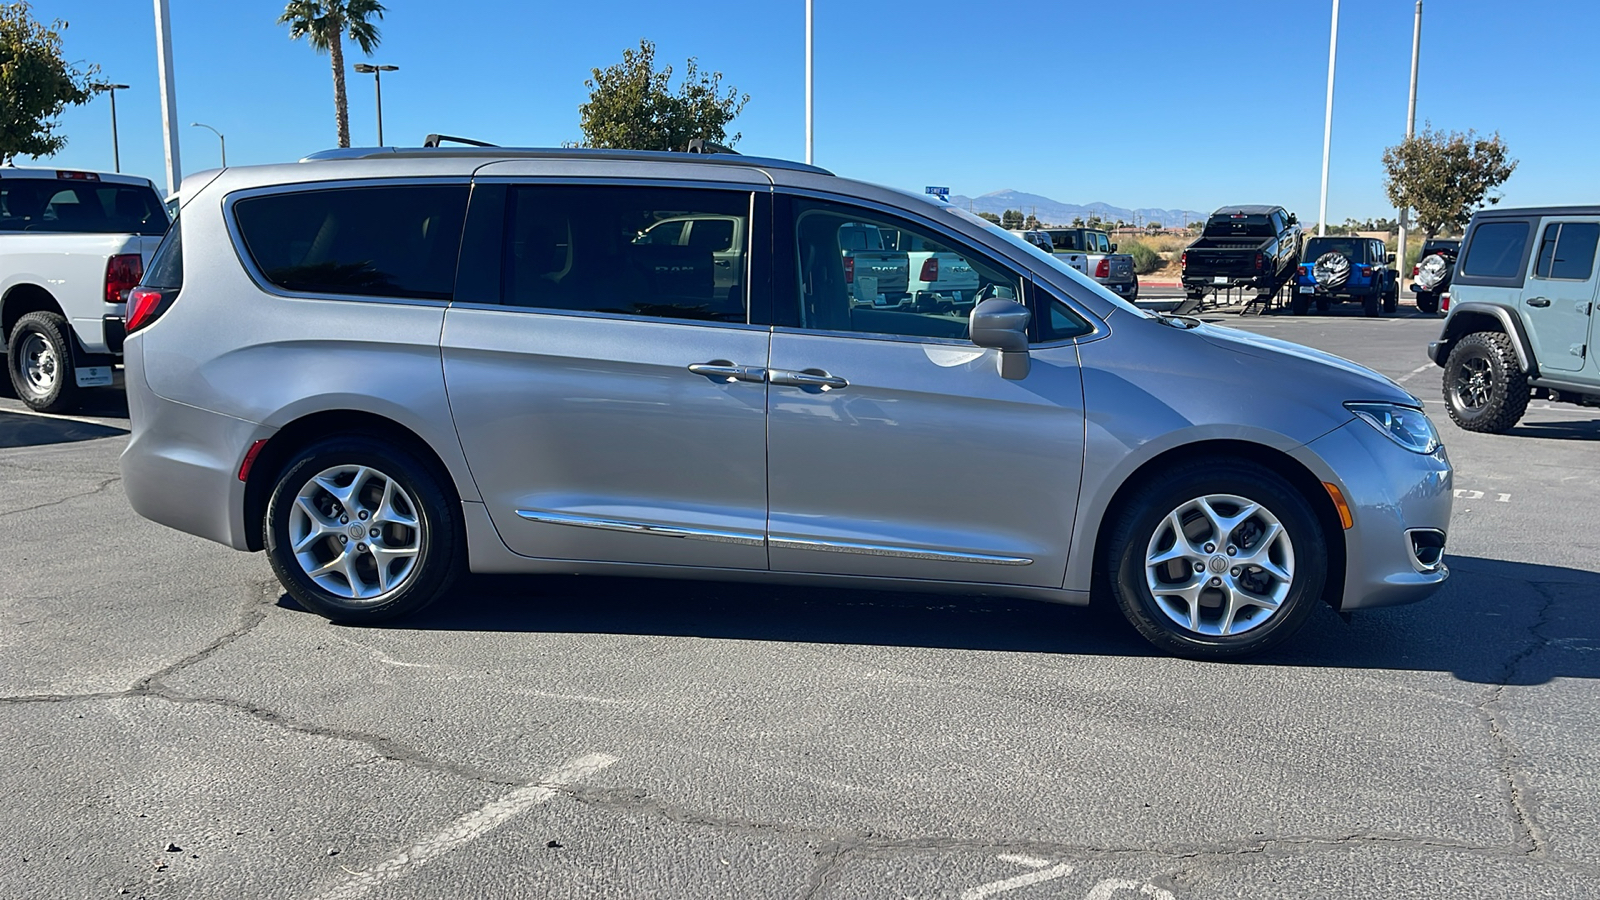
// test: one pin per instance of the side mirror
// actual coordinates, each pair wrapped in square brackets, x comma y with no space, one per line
[1003,325]
[1113,248]
[1293,220]
[1388,259]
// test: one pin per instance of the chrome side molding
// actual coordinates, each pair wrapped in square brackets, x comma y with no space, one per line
[673,531]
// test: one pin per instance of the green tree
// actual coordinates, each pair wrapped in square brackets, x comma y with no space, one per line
[631,106]
[1011,219]
[1031,222]
[1445,176]
[1077,221]
[36,84]
[326,23]
[989,216]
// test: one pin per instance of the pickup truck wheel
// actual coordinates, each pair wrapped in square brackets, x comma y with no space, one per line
[39,357]
[1485,389]
[1217,559]
[1299,304]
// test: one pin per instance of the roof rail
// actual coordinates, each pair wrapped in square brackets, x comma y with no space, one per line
[701,145]
[491,153]
[436,140]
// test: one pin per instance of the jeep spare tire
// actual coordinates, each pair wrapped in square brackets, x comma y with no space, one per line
[1432,271]
[1331,270]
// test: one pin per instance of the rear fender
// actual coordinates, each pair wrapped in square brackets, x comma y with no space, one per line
[1470,317]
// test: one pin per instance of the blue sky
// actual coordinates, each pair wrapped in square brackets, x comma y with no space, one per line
[1162,103]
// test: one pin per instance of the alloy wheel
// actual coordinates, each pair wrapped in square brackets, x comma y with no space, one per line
[1220,565]
[356,533]
[1474,382]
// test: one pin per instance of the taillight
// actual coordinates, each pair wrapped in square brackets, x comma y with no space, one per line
[1304,271]
[1183,260]
[930,269]
[1366,271]
[849,268]
[145,305]
[1102,269]
[123,272]
[1261,260]
[1416,269]
[1444,302]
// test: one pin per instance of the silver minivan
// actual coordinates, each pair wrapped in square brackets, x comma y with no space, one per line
[388,367]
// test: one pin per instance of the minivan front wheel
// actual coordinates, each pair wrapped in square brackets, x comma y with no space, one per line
[360,532]
[1217,559]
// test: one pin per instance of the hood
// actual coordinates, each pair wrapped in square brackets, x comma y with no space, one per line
[1358,381]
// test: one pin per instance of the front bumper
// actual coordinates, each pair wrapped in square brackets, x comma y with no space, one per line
[1397,498]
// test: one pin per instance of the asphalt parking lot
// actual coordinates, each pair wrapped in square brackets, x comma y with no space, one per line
[176,727]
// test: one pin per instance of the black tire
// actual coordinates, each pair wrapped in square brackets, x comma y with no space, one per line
[1322,305]
[1391,301]
[1299,304]
[43,337]
[1142,521]
[1428,303]
[1485,389]
[1369,305]
[439,534]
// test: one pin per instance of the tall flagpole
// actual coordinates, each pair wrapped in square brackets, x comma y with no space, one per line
[808,84]
[169,96]
[1327,122]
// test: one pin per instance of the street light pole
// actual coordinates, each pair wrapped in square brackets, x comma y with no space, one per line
[377,82]
[1411,120]
[1327,122]
[808,84]
[223,140]
[169,96]
[116,151]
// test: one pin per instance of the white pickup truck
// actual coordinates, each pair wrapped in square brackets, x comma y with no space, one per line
[72,244]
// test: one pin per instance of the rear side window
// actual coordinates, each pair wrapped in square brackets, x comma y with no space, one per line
[672,253]
[393,241]
[166,267]
[1496,250]
[1567,250]
[79,207]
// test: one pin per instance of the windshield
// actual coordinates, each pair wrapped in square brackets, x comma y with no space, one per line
[1239,225]
[1049,259]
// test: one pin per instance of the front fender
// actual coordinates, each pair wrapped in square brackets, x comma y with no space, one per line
[1469,317]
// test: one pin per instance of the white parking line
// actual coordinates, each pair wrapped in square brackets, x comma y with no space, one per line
[1105,889]
[1011,884]
[1414,373]
[469,827]
[24,411]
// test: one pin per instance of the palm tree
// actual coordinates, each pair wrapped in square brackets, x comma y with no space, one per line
[326,23]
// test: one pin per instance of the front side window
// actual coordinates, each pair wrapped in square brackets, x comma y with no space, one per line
[1496,250]
[666,252]
[394,241]
[1567,250]
[868,273]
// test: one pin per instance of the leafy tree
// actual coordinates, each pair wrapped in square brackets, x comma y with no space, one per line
[631,107]
[1031,222]
[1077,221]
[990,217]
[36,84]
[1152,227]
[1445,176]
[1011,218]
[326,23]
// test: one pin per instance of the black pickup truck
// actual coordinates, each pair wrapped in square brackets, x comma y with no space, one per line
[1243,246]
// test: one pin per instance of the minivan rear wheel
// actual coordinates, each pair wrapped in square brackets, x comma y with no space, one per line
[361,532]
[1217,559]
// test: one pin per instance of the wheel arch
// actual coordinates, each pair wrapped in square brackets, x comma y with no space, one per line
[279,449]
[1468,318]
[1290,469]
[21,299]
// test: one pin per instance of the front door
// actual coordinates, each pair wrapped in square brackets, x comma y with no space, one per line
[1558,297]
[601,403]
[895,448]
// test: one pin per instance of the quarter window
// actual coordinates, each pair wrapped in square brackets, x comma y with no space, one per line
[394,241]
[666,252]
[867,273]
[1496,250]
[1567,250]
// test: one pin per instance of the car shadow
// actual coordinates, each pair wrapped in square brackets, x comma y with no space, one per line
[1493,622]
[22,430]
[1572,430]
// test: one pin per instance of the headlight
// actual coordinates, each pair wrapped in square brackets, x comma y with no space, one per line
[1404,425]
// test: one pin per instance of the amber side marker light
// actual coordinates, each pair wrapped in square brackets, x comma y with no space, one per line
[1339,504]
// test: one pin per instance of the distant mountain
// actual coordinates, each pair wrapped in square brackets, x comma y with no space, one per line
[1054,212]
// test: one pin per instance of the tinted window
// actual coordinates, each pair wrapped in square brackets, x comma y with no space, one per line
[1062,323]
[1567,250]
[83,207]
[1351,248]
[1239,225]
[604,249]
[1496,250]
[1066,240]
[166,267]
[396,241]
[926,292]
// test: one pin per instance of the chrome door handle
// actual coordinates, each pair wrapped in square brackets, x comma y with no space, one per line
[807,378]
[727,372]
[1540,302]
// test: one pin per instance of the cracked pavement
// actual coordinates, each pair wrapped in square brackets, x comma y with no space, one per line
[159,691]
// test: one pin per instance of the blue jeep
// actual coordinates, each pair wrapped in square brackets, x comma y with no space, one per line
[1346,269]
